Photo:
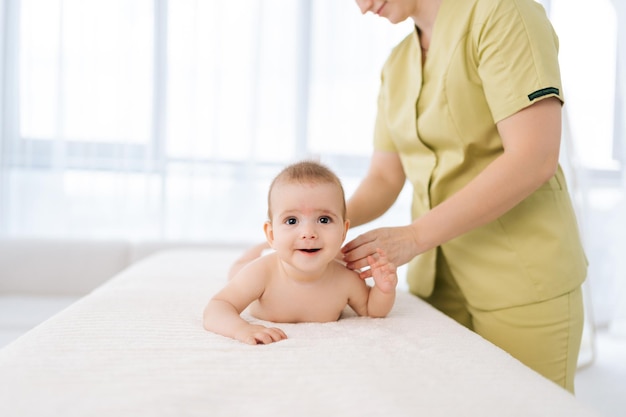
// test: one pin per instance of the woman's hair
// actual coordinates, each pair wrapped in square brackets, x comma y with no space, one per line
[306,172]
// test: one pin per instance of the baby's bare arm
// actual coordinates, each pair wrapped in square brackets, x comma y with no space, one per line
[383,294]
[378,300]
[222,315]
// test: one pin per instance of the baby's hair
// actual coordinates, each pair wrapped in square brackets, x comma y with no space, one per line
[306,172]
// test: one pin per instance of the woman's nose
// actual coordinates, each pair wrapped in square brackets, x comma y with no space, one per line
[364,5]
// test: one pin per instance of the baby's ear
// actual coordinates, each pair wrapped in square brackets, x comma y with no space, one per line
[346,227]
[269,232]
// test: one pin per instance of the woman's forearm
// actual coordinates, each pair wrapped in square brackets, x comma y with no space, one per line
[531,140]
[490,195]
[378,190]
[530,159]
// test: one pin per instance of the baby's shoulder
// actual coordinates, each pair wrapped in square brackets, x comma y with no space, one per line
[340,272]
[259,268]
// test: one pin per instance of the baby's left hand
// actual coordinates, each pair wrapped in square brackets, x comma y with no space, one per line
[383,272]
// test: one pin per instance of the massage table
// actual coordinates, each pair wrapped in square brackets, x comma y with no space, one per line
[135,346]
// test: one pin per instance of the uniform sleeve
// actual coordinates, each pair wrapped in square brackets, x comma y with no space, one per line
[517,52]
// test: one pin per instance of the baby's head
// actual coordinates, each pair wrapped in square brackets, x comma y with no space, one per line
[307,216]
[307,173]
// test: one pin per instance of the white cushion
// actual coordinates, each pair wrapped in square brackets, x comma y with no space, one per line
[59,267]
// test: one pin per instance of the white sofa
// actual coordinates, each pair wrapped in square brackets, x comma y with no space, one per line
[40,277]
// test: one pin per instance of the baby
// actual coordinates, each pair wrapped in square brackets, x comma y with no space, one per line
[301,281]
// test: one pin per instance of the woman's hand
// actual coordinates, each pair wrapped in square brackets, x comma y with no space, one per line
[398,243]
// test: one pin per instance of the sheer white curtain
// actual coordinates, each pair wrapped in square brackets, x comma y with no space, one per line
[156,119]
[618,316]
[594,143]
[590,75]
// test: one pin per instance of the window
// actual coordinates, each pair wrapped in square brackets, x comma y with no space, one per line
[588,67]
[161,119]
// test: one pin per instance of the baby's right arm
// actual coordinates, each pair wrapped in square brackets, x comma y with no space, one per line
[222,315]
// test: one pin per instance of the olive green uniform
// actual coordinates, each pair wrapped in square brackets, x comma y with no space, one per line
[510,279]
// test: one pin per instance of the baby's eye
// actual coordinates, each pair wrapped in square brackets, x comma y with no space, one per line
[325,220]
[291,220]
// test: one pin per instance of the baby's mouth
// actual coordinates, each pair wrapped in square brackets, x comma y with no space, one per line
[310,250]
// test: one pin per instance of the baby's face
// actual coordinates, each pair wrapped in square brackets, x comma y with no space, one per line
[307,227]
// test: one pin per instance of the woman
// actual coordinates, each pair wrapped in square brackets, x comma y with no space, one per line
[469,112]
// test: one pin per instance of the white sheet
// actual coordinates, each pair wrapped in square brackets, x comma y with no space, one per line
[136,347]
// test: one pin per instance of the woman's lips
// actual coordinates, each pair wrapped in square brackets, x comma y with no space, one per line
[380,8]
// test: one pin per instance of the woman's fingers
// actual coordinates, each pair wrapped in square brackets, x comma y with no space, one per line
[356,251]
[397,243]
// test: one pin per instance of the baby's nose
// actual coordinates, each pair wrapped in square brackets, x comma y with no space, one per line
[309,232]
